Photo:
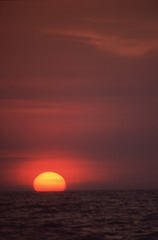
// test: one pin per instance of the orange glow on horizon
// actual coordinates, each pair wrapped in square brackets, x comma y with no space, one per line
[49,181]
[77,172]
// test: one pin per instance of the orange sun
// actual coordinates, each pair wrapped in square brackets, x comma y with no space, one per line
[49,181]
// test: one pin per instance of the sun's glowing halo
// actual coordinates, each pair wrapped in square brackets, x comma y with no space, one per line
[49,181]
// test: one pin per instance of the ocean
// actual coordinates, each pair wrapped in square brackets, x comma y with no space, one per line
[79,215]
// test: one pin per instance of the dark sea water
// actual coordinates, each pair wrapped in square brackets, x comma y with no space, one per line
[76,215]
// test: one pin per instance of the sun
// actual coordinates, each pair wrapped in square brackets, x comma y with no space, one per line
[49,181]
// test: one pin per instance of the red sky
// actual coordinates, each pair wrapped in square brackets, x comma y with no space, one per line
[79,93]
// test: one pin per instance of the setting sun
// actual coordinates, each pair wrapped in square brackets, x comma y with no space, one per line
[49,181]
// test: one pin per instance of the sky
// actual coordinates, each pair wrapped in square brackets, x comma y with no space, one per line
[79,93]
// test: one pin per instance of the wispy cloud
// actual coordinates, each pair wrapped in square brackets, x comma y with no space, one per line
[132,47]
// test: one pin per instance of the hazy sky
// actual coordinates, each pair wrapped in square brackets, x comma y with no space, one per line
[79,92]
